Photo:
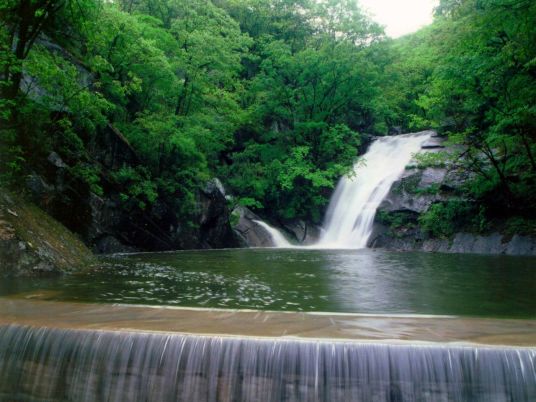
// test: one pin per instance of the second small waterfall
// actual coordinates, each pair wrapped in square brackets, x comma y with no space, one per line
[349,218]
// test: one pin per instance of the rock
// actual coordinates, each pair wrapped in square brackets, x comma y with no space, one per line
[432,176]
[395,130]
[470,243]
[110,245]
[396,225]
[56,160]
[466,243]
[521,245]
[213,186]
[455,179]
[32,243]
[105,218]
[409,192]
[30,86]
[305,233]
[251,233]
[215,228]
[113,150]
[40,190]
[434,142]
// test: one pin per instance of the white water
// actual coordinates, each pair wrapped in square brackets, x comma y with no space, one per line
[350,215]
[45,364]
[277,237]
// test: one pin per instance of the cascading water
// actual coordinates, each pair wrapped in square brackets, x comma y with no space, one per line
[41,364]
[350,215]
[277,237]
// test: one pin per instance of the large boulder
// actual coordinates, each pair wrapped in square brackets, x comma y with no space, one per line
[250,233]
[415,191]
[303,232]
[215,227]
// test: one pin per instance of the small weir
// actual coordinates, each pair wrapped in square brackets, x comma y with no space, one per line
[41,364]
[124,353]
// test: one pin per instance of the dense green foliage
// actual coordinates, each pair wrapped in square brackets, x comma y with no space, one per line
[472,76]
[273,96]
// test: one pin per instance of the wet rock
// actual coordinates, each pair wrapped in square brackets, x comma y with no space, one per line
[432,176]
[397,226]
[434,142]
[305,233]
[250,233]
[105,218]
[32,243]
[395,130]
[215,227]
[521,245]
[455,179]
[39,189]
[56,160]
[110,245]
[467,243]
[409,193]
[214,186]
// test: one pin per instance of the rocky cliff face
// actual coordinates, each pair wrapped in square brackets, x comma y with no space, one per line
[102,221]
[397,224]
[108,228]
[32,243]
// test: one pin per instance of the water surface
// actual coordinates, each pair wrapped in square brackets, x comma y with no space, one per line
[352,281]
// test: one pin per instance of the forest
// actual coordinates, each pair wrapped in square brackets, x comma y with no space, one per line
[277,98]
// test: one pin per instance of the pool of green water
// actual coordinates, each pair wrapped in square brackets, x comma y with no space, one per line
[353,281]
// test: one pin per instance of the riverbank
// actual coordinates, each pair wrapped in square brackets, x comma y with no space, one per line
[33,243]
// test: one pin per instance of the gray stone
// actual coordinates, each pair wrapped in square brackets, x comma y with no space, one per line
[455,178]
[39,188]
[431,176]
[214,218]
[251,233]
[304,232]
[433,143]
[403,196]
[56,160]
[104,217]
[521,245]
[110,245]
[214,185]
[32,243]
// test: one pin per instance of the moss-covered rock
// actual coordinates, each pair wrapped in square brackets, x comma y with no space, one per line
[33,243]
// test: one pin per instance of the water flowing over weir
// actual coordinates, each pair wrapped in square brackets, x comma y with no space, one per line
[349,218]
[80,365]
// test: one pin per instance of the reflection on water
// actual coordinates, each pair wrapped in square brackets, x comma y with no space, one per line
[357,281]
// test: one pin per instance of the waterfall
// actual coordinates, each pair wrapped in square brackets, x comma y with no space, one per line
[277,237]
[350,214]
[351,211]
[85,365]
